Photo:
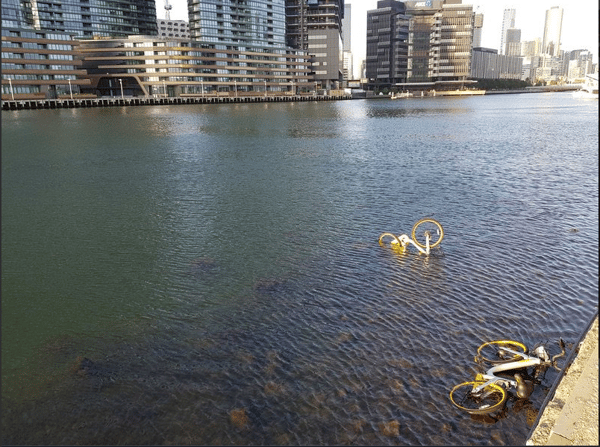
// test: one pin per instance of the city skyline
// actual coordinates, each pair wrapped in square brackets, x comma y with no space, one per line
[579,30]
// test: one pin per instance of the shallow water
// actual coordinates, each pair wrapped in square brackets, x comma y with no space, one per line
[210,274]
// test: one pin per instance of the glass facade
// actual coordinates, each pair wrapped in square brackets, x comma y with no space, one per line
[39,64]
[242,23]
[83,18]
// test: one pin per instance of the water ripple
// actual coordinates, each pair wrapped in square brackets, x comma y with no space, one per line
[256,306]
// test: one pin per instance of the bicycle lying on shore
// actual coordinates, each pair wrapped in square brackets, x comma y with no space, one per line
[426,234]
[488,392]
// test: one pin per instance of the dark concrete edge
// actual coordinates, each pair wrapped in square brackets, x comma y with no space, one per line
[560,376]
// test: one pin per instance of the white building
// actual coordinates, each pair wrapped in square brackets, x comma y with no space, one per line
[508,22]
[552,31]
[173,28]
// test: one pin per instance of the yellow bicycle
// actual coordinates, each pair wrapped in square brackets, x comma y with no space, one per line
[488,392]
[426,234]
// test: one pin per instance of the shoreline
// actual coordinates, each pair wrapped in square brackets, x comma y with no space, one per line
[62,103]
[570,413]
[33,104]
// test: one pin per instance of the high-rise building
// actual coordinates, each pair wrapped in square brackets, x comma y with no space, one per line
[531,48]
[347,27]
[168,28]
[238,24]
[348,66]
[512,44]
[508,22]
[427,42]
[316,26]
[440,40]
[82,18]
[387,44]
[552,31]
[477,29]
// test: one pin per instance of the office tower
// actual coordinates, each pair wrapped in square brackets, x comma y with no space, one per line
[477,30]
[82,18]
[238,23]
[347,66]
[440,40]
[508,22]
[346,27]
[531,48]
[387,44]
[316,26]
[512,45]
[488,64]
[552,30]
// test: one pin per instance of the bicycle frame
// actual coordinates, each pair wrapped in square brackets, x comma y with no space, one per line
[405,240]
[525,362]
[402,241]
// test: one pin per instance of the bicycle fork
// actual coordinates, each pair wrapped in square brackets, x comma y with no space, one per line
[405,240]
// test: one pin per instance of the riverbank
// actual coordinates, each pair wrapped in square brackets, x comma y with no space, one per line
[570,416]
[29,104]
[536,89]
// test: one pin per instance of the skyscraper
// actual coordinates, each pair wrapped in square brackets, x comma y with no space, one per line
[83,18]
[552,31]
[346,27]
[419,42]
[387,43]
[512,44]
[477,28]
[440,40]
[316,26]
[508,22]
[348,66]
[238,23]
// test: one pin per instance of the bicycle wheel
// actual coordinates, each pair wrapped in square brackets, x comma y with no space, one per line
[495,351]
[487,400]
[426,227]
[395,239]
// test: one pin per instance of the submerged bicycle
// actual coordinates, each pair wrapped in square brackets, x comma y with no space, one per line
[488,392]
[426,234]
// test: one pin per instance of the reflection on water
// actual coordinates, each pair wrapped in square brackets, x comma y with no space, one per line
[211,274]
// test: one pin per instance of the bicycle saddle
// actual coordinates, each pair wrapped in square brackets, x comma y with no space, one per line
[524,387]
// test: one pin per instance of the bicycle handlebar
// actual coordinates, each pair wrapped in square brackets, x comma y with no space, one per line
[561,343]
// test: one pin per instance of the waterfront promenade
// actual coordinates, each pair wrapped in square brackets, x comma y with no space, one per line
[571,415]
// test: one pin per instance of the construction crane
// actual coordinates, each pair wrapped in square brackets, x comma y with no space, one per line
[168,8]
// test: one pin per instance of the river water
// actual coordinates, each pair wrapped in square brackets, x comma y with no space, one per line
[211,274]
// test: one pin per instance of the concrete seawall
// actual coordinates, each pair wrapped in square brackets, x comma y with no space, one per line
[570,416]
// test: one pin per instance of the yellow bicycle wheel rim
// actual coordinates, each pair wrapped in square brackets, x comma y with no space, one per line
[491,387]
[514,345]
[433,221]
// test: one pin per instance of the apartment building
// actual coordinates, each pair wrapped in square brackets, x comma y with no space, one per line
[83,18]
[40,64]
[169,29]
[146,66]
[241,24]
[39,47]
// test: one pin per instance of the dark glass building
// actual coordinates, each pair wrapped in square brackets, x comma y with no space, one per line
[82,18]
[316,26]
[387,43]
